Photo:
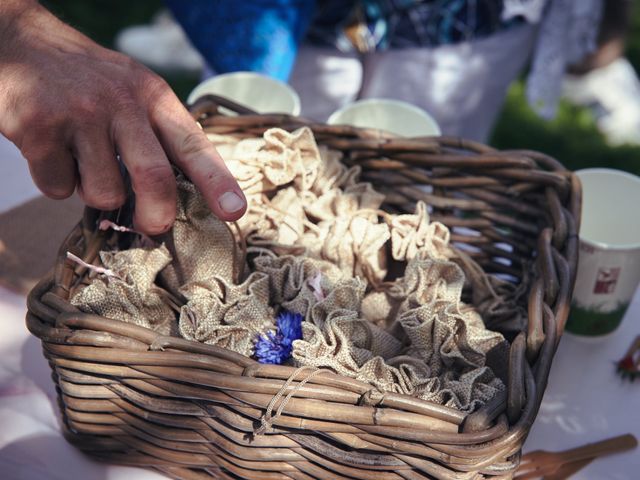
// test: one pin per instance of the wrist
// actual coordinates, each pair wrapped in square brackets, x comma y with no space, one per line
[28,30]
[11,9]
[13,12]
[14,16]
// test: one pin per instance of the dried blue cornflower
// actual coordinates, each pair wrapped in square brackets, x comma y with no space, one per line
[270,348]
[289,326]
[275,347]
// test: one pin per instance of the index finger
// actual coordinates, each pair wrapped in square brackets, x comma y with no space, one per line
[195,155]
[151,174]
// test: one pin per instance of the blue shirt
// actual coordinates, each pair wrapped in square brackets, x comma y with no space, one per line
[263,35]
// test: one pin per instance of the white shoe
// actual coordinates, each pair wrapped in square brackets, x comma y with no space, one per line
[613,95]
[162,45]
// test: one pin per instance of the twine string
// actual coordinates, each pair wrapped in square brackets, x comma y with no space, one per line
[267,420]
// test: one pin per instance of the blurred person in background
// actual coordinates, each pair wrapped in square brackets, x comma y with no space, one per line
[79,113]
[453,58]
[605,82]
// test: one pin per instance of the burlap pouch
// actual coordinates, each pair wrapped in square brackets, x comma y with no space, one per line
[303,201]
[438,348]
[278,158]
[230,316]
[129,293]
[497,301]
[201,245]
[291,280]
[412,233]
[318,245]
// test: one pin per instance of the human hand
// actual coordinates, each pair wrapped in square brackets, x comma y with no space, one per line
[71,106]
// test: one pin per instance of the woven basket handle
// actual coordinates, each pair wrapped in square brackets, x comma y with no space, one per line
[208,105]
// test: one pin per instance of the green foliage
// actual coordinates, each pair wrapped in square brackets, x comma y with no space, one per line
[102,19]
[571,137]
[633,40]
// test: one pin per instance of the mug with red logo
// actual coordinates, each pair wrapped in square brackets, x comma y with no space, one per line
[609,264]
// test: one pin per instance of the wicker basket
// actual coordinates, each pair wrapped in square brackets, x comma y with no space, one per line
[130,396]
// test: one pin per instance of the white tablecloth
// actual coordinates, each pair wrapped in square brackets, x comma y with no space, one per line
[585,399]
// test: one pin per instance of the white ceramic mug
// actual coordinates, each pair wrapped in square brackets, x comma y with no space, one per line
[609,264]
[253,90]
[394,116]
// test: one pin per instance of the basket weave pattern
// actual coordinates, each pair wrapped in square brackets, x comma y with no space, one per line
[129,395]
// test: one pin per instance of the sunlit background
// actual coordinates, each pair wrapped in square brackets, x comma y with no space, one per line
[571,137]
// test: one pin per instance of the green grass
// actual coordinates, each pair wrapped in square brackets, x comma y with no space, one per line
[572,137]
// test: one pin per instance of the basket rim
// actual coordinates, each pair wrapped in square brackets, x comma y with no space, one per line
[497,430]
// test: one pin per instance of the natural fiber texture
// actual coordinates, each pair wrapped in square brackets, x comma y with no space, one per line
[130,295]
[227,315]
[276,159]
[131,395]
[411,233]
[202,246]
[438,351]
[336,220]
[290,280]
[324,213]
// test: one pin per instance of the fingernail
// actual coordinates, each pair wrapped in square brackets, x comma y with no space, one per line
[230,202]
